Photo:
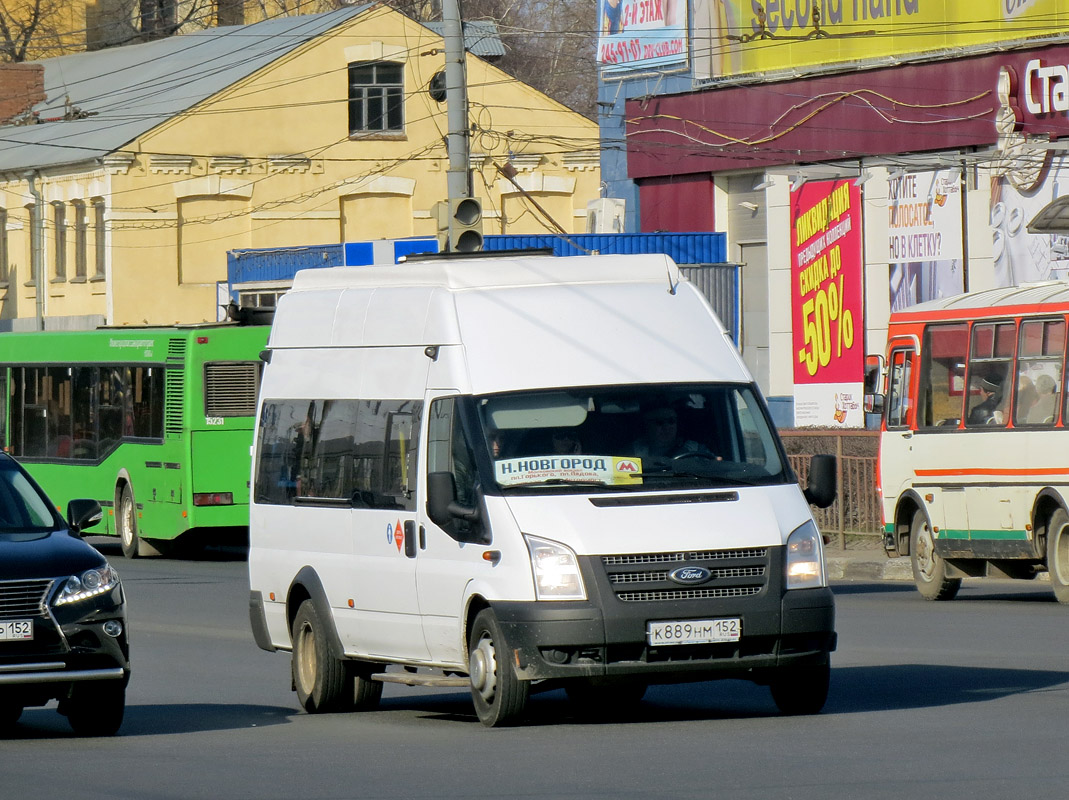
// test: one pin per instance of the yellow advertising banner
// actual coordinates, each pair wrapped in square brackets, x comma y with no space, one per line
[737,37]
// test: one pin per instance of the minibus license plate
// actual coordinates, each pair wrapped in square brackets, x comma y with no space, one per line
[16,629]
[694,631]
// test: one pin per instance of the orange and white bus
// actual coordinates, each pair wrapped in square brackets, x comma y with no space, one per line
[974,446]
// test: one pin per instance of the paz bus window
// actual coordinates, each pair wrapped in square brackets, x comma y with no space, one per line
[942,379]
[990,370]
[1041,349]
[898,379]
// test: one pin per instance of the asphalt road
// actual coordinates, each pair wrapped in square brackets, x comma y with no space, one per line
[965,699]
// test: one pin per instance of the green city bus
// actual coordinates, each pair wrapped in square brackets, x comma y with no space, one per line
[155,423]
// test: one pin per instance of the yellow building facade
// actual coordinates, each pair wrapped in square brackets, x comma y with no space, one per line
[138,234]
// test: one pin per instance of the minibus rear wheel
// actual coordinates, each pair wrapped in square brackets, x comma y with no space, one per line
[500,697]
[929,568]
[1058,554]
[320,679]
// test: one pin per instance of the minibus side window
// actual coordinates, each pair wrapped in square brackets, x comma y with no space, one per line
[942,379]
[448,450]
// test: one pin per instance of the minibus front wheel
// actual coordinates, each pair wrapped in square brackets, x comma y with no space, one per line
[929,568]
[500,697]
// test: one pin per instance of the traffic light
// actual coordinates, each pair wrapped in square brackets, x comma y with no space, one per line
[460,225]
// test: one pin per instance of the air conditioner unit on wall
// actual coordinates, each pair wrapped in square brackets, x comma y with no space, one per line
[605,215]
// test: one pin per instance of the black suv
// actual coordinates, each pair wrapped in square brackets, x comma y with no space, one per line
[62,611]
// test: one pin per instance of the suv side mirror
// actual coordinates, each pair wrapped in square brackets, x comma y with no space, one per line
[83,513]
[821,488]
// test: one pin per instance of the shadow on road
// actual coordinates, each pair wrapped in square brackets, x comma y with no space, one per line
[161,720]
[234,549]
[853,690]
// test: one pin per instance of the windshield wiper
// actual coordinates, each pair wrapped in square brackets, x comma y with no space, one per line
[670,472]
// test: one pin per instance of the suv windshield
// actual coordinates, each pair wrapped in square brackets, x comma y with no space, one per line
[649,437]
[22,507]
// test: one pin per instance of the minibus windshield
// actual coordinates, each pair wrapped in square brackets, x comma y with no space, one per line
[631,437]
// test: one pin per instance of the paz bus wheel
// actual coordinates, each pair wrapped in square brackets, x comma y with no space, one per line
[929,568]
[126,521]
[500,697]
[1058,555]
[322,682]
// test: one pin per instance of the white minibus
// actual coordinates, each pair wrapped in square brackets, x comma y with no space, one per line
[526,473]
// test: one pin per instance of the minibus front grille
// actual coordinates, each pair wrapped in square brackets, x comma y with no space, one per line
[644,577]
[687,574]
[687,594]
[23,598]
[703,555]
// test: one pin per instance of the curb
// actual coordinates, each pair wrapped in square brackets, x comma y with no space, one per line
[880,569]
[849,569]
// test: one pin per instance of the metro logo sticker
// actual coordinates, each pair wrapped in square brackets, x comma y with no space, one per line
[609,470]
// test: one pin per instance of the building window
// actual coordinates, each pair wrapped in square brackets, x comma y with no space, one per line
[376,98]
[81,239]
[59,223]
[99,240]
[3,246]
[34,246]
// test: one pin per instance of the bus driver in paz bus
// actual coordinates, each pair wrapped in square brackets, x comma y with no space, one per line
[987,410]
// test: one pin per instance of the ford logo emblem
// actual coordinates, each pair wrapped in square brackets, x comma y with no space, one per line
[690,576]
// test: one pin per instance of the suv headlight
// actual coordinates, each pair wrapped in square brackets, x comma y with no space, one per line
[91,583]
[805,558]
[556,570]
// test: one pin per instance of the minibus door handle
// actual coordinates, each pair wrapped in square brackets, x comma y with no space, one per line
[410,538]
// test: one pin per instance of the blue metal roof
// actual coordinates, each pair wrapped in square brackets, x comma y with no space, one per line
[282,263]
[683,248]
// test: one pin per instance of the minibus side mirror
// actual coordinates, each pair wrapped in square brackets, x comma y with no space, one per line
[444,510]
[83,513]
[822,488]
[441,494]
[874,403]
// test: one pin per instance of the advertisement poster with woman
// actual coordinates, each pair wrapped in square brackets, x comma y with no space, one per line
[1016,197]
[827,305]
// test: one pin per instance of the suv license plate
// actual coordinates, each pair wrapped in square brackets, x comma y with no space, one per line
[18,629]
[694,631]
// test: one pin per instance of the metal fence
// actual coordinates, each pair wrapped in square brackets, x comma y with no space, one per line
[855,518]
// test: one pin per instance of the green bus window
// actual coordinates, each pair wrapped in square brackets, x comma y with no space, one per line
[146,402]
[58,386]
[83,391]
[34,409]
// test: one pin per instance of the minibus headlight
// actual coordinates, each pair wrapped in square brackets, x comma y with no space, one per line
[805,558]
[556,570]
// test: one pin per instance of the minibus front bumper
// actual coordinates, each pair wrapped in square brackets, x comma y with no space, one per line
[555,640]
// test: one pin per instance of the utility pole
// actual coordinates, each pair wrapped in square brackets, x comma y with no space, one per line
[460,218]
